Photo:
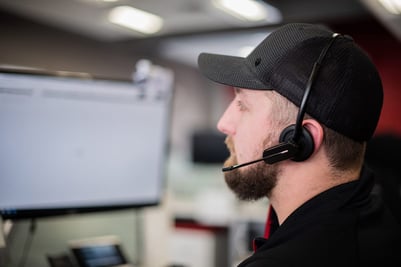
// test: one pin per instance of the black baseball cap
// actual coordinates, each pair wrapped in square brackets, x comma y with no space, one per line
[347,95]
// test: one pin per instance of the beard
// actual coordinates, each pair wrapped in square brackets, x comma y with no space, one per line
[253,183]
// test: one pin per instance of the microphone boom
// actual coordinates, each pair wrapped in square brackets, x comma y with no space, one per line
[271,155]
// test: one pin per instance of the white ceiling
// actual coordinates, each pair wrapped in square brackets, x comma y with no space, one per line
[192,26]
[89,17]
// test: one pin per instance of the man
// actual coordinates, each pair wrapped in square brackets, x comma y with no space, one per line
[306,102]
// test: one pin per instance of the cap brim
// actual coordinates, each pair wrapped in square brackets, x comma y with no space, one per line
[229,70]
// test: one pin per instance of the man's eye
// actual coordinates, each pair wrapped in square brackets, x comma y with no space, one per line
[241,106]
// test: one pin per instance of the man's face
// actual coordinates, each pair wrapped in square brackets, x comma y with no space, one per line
[250,127]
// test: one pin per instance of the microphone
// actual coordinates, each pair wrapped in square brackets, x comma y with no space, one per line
[271,155]
[229,168]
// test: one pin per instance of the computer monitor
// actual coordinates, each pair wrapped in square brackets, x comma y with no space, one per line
[71,144]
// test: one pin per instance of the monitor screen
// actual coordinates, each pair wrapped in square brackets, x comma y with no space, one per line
[71,144]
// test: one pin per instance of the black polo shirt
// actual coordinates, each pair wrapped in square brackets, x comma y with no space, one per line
[344,226]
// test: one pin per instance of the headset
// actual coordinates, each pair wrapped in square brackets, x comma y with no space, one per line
[295,141]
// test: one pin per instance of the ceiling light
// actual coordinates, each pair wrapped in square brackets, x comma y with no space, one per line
[136,19]
[392,6]
[248,9]
[244,51]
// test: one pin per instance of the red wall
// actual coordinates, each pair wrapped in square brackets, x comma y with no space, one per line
[385,51]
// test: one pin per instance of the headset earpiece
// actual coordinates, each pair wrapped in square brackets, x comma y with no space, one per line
[305,144]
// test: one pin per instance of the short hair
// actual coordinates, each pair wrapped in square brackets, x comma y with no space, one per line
[342,152]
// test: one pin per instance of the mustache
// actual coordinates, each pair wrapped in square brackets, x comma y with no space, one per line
[230,144]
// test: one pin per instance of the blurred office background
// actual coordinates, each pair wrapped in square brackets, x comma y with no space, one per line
[198,222]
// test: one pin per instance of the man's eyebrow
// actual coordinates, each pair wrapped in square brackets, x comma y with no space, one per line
[240,91]
[237,90]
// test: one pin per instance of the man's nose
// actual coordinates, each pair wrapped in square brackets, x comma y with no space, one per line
[226,124]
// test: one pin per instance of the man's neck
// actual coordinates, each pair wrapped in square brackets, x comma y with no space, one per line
[299,182]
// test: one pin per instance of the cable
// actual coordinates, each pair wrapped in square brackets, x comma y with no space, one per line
[28,242]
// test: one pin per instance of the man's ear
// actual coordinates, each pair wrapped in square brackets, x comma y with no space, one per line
[316,131]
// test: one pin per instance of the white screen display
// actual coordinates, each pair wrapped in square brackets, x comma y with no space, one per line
[70,143]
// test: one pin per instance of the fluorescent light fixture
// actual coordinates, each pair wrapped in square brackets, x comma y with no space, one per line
[250,10]
[392,6]
[136,19]
[245,51]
